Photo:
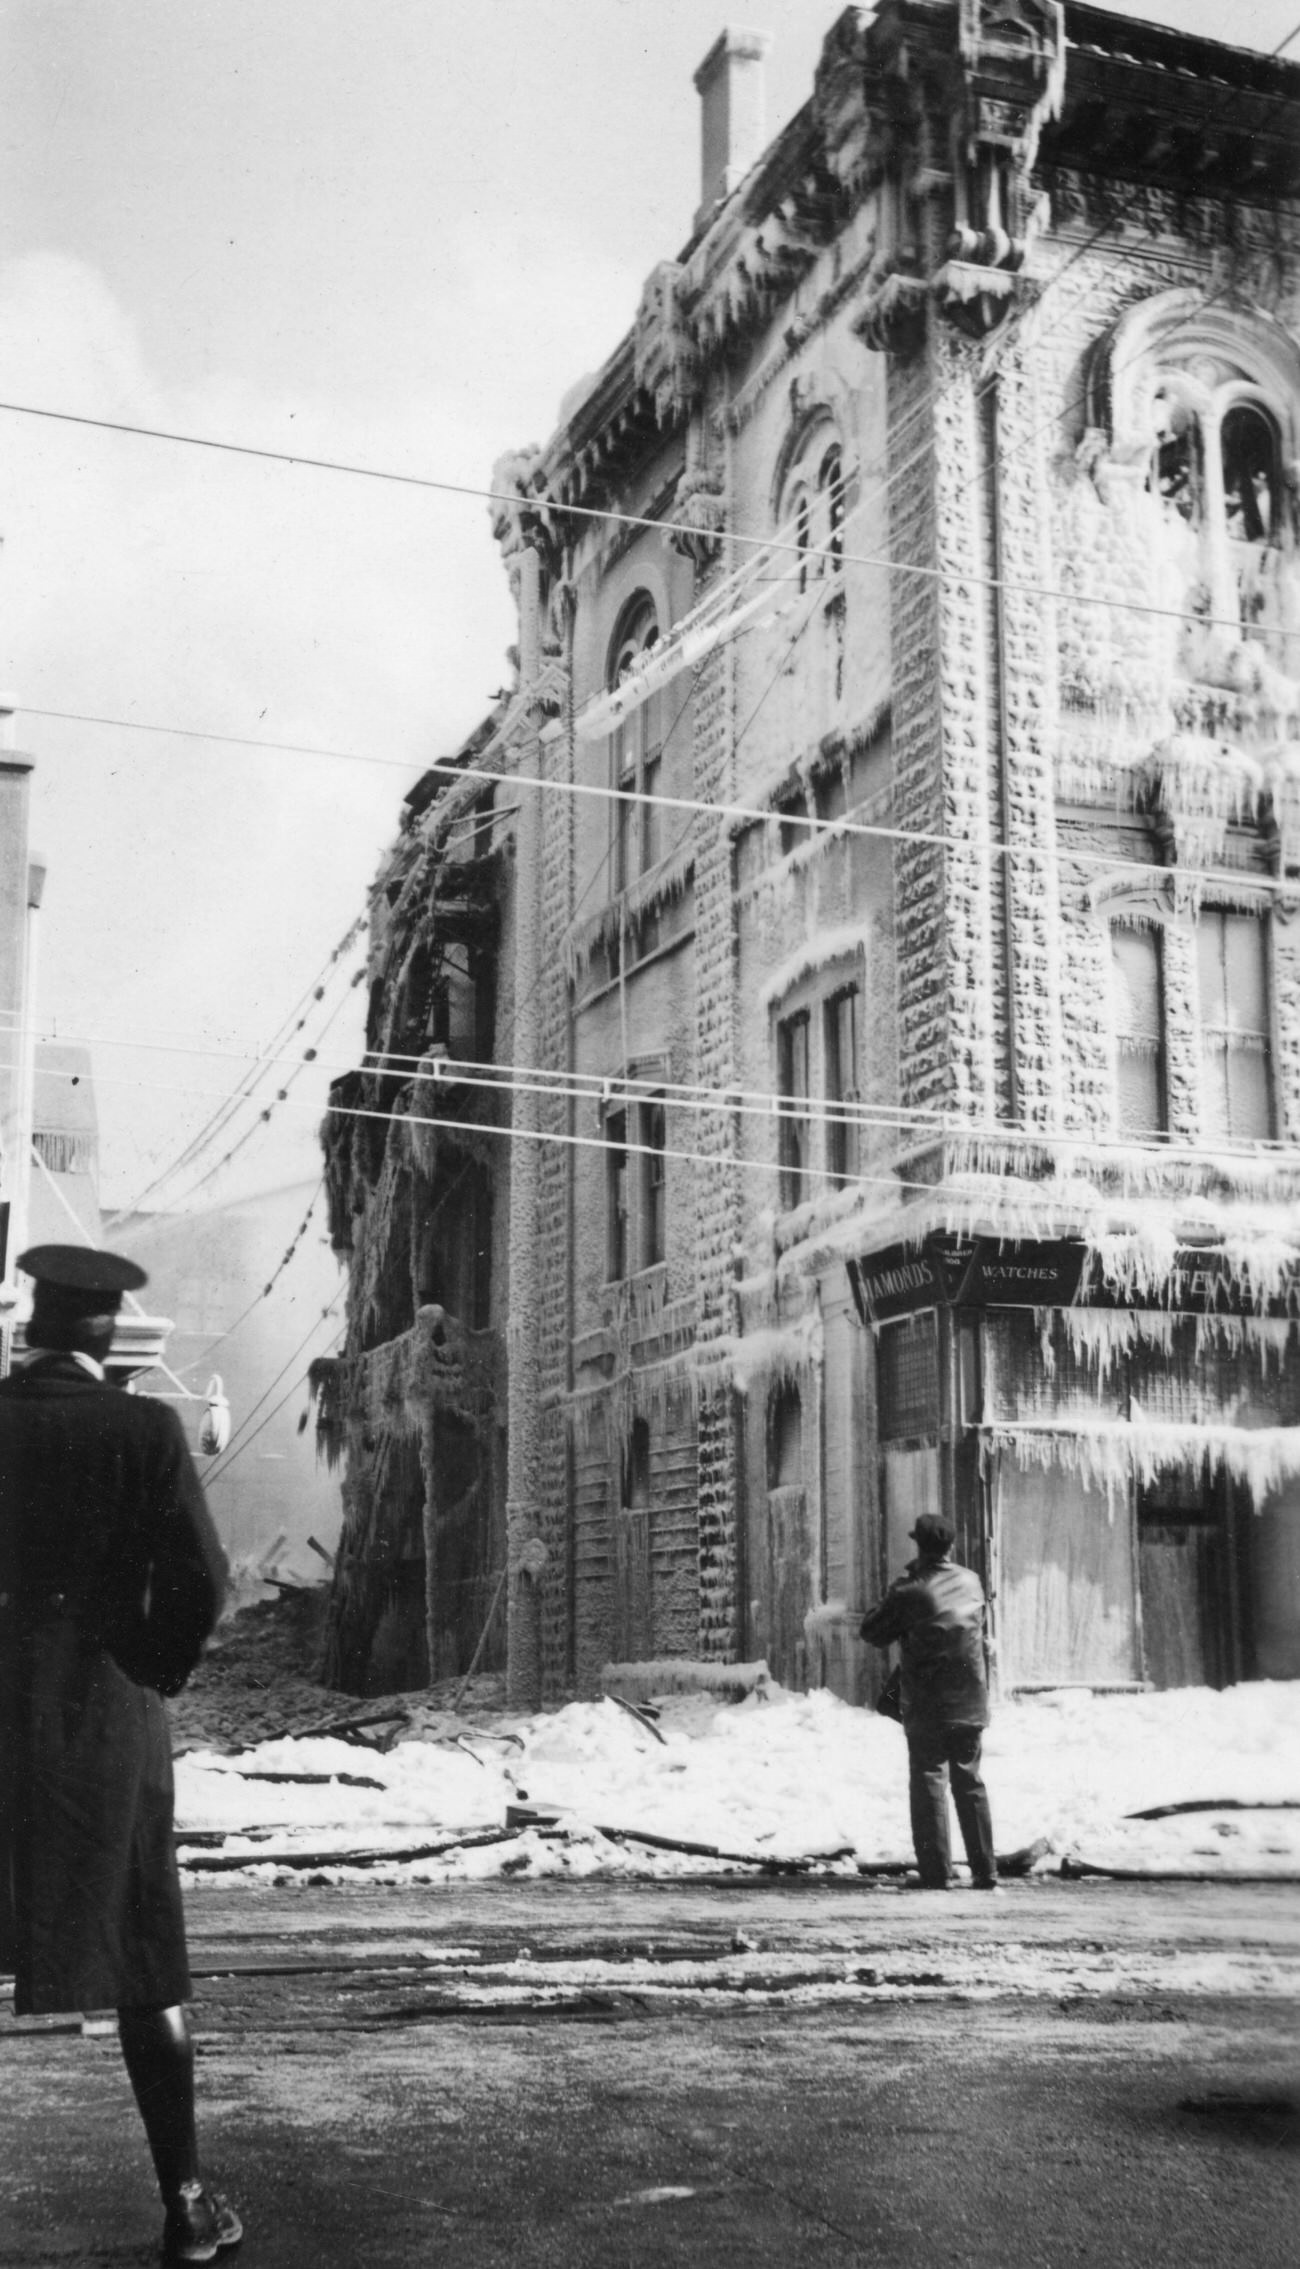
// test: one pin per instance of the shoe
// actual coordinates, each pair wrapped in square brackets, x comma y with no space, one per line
[199,2225]
[986,1883]
[918,1883]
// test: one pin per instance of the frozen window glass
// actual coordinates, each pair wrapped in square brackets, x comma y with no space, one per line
[1236,1064]
[907,1372]
[1139,1030]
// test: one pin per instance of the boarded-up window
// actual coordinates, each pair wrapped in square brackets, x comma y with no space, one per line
[1236,1068]
[1139,1031]
[907,1357]
[1067,1611]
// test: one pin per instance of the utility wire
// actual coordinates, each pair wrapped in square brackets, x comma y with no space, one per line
[212,1126]
[832,552]
[603,1088]
[217,1470]
[277,1272]
[233,1454]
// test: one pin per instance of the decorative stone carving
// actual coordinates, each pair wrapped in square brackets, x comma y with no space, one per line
[1013,71]
[523,516]
[664,355]
[700,509]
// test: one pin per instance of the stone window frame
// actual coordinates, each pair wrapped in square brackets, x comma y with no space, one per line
[1130,904]
[810,495]
[635,1092]
[1206,358]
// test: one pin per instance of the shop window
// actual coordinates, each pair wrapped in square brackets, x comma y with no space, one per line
[794,1119]
[1137,977]
[616,1196]
[907,1373]
[1236,1056]
[842,1087]
[636,747]
[653,1146]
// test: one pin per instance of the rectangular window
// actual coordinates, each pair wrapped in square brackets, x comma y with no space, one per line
[650,847]
[907,1376]
[1140,1107]
[842,1085]
[653,1146]
[625,781]
[792,1087]
[1236,1067]
[616,1195]
[636,749]
[794,812]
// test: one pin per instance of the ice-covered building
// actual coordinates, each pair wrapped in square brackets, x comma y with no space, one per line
[874,917]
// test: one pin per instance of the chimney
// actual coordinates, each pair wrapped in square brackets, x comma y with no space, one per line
[733,129]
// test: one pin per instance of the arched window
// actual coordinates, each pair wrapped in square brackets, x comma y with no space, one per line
[1251,468]
[810,505]
[1216,464]
[830,484]
[1204,396]
[636,747]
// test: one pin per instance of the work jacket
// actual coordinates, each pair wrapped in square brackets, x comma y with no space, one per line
[936,1611]
[111,1578]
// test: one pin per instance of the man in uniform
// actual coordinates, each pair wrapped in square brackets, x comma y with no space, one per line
[936,1611]
[111,1578]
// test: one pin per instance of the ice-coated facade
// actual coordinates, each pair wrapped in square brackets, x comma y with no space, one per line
[873,916]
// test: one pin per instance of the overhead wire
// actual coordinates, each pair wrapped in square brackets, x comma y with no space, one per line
[212,1127]
[282,1094]
[973,1132]
[663,526]
[234,1452]
[222,1338]
[217,1470]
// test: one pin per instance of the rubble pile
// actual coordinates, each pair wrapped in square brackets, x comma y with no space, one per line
[259,1679]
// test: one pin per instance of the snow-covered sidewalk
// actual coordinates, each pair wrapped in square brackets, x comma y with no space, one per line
[778,1777]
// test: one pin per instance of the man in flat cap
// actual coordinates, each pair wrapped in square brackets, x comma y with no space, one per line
[111,1578]
[936,1611]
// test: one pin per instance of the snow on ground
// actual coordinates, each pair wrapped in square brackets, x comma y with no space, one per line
[782,1777]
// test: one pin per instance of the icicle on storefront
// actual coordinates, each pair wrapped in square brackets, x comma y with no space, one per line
[896,971]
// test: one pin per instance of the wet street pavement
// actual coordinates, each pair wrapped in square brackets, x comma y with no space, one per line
[646,2074]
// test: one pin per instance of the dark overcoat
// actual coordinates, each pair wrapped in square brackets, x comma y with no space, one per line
[111,1578]
[936,1611]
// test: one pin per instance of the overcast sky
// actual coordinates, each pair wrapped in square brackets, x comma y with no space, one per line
[392,232]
